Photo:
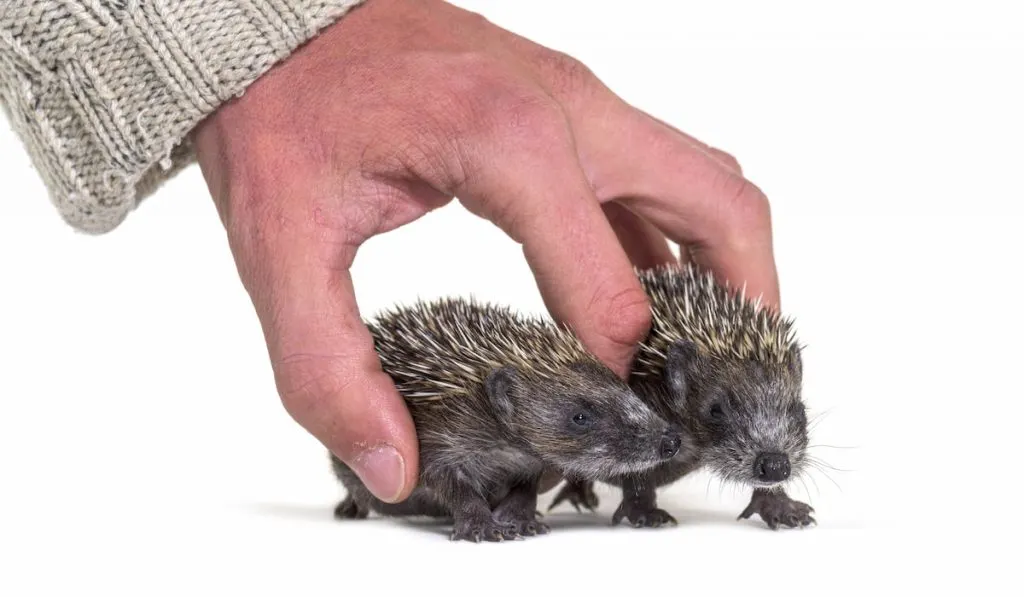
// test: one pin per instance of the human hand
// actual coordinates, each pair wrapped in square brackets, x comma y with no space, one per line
[393,111]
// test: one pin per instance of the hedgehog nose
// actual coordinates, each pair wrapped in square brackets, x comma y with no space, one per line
[670,443]
[771,467]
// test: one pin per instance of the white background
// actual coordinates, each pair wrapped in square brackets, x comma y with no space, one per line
[143,450]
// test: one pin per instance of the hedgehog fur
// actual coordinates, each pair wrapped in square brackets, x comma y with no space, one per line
[688,303]
[728,370]
[497,398]
[444,347]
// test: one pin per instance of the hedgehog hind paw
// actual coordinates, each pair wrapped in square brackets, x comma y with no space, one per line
[522,517]
[478,531]
[578,495]
[348,509]
[529,527]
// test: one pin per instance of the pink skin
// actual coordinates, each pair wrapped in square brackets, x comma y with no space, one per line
[392,112]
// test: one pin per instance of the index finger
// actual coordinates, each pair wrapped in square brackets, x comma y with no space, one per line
[540,196]
[692,195]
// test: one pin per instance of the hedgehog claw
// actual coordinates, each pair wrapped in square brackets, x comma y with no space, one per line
[577,494]
[485,530]
[532,528]
[525,526]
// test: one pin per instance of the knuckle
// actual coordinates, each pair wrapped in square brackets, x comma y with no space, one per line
[568,75]
[424,144]
[305,383]
[480,80]
[729,160]
[529,117]
[489,100]
[514,110]
[625,316]
[453,105]
[476,20]
[747,205]
[368,210]
[509,214]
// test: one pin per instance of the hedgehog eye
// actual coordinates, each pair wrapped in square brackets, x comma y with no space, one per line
[716,411]
[581,419]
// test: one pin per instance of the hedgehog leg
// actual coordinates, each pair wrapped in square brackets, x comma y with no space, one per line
[776,508]
[358,501]
[577,493]
[519,508]
[639,505]
[472,517]
[349,509]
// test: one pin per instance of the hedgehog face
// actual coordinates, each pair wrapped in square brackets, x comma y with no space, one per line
[586,422]
[749,416]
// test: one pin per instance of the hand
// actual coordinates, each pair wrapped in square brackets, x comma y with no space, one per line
[393,111]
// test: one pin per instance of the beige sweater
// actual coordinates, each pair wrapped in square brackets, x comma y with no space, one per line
[103,93]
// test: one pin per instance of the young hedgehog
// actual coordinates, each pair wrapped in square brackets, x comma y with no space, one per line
[496,398]
[729,373]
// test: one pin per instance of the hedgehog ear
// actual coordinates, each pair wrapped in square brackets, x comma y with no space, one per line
[679,362]
[500,384]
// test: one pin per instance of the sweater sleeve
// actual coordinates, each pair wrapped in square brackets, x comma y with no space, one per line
[103,93]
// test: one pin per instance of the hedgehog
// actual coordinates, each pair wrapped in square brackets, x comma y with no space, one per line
[497,399]
[729,372]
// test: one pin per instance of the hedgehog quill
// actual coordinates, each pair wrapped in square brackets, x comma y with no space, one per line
[496,399]
[728,372]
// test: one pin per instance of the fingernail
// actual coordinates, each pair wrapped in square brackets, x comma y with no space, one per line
[382,470]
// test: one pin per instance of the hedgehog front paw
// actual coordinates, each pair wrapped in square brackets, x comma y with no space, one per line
[577,494]
[642,516]
[349,509]
[528,527]
[776,508]
[522,517]
[483,530]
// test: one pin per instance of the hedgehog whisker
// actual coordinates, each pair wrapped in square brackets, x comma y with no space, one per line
[818,417]
[733,482]
[817,489]
[833,468]
[803,473]
[821,470]
[807,492]
[825,464]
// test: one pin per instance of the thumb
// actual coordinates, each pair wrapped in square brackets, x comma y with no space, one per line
[330,379]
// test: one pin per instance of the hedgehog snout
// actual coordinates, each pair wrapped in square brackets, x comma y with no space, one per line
[771,467]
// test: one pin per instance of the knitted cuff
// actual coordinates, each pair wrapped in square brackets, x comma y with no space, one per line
[103,93]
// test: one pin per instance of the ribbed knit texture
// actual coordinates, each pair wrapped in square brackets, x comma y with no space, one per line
[103,93]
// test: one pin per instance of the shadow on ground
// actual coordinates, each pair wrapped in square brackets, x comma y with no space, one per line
[557,520]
